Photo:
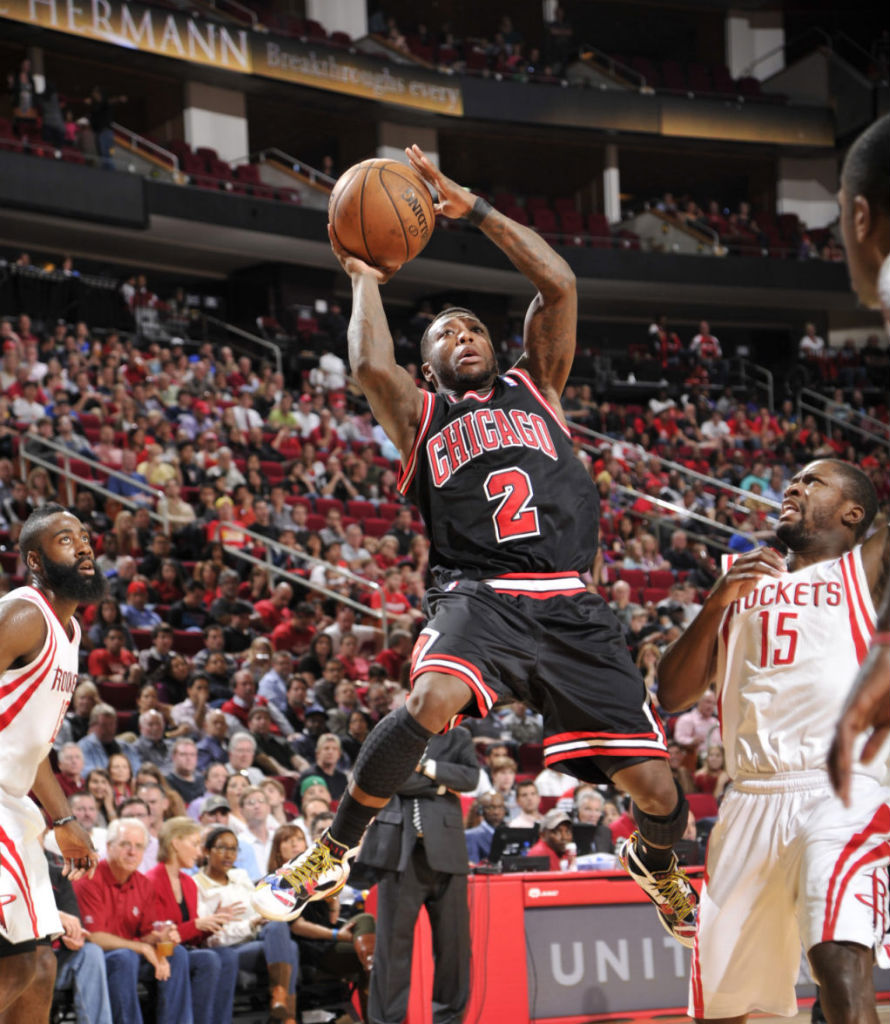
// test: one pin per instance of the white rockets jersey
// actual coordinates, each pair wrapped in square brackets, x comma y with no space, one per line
[787,656]
[34,698]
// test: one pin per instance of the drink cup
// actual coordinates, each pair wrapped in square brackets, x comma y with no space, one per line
[165,944]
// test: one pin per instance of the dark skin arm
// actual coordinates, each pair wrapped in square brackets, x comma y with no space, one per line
[550,323]
[689,665]
[868,703]
[22,635]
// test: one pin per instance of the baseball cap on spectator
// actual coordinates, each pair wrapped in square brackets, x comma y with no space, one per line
[242,608]
[554,818]
[215,803]
[316,709]
[637,609]
[311,780]
[137,587]
[303,398]
[258,709]
[9,345]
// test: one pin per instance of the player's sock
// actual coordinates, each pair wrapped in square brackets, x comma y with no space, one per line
[657,830]
[655,858]
[386,759]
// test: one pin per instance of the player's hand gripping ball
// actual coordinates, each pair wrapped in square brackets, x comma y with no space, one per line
[382,212]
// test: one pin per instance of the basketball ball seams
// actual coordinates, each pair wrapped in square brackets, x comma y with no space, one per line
[361,219]
[423,194]
[397,211]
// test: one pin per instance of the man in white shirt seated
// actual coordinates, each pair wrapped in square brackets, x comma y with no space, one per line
[529,800]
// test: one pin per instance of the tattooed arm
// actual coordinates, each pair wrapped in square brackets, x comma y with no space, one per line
[550,323]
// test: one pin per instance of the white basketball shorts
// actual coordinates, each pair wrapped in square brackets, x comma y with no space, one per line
[787,865]
[27,906]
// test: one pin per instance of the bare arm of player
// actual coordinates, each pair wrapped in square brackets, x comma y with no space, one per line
[395,399]
[689,665]
[550,322]
[74,841]
[867,707]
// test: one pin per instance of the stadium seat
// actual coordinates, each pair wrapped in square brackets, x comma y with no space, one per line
[324,505]
[661,578]
[702,805]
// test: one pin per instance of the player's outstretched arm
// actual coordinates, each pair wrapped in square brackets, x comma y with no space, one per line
[550,323]
[868,703]
[689,665]
[393,396]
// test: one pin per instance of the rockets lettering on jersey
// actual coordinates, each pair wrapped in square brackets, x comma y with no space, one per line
[64,681]
[786,592]
[786,658]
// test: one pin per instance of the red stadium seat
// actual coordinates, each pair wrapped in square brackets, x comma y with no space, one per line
[187,642]
[661,578]
[635,577]
[376,527]
[324,505]
[702,805]
[361,509]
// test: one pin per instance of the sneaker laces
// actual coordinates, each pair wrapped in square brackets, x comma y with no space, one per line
[672,889]
[318,861]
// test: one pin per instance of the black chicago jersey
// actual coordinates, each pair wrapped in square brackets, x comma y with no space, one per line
[499,486]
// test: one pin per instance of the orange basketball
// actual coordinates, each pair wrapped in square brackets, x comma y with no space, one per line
[382,212]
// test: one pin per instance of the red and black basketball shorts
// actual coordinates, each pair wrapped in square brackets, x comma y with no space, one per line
[543,639]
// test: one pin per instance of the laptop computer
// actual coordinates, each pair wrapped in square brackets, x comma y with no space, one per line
[516,864]
[510,842]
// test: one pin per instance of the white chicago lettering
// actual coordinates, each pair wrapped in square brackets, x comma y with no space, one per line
[464,439]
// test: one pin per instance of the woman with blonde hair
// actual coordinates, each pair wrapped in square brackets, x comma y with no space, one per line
[40,487]
[213,973]
[712,777]
[648,657]
[124,530]
[222,886]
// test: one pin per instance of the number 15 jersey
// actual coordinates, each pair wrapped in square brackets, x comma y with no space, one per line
[787,656]
[499,485]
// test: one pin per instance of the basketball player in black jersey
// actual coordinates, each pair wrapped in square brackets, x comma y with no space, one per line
[512,517]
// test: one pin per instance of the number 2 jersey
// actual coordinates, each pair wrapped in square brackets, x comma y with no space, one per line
[35,697]
[499,486]
[787,656]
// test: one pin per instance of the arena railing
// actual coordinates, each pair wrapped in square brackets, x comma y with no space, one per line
[61,465]
[759,377]
[710,481]
[205,319]
[869,428]
[312,174]
[678,517]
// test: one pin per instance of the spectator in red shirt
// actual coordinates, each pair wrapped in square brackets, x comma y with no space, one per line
[397,604]
[295,634]
[214,972]
[274,610]
[118,907]
[243,698]
[113,662]
[354,666]
[394,656]
[556,834]
[70,773]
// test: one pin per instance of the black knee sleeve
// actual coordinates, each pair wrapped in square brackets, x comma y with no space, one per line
[664,831]
[390,753]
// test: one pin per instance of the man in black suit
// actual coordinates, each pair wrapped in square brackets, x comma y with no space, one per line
[416,844]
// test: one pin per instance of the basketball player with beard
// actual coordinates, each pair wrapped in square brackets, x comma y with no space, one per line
[39,640]
[788,863]
[512,517]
